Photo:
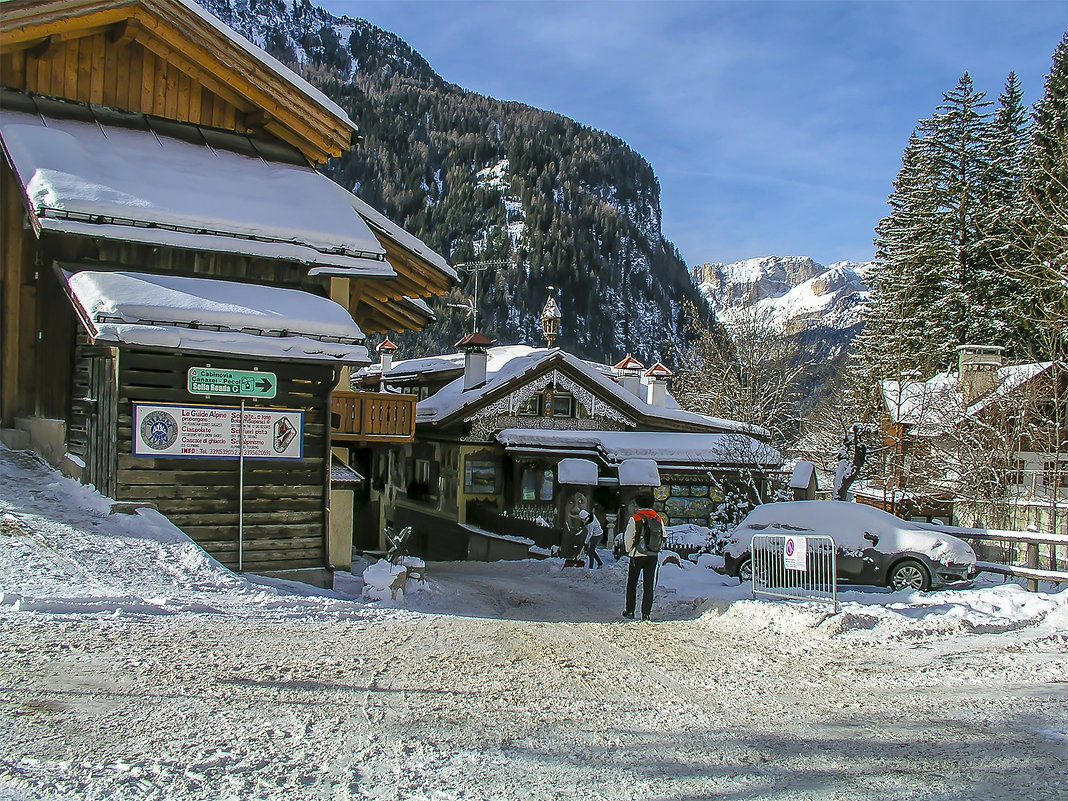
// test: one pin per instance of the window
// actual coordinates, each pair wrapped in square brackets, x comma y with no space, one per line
[562,404]
[1056,474]
[424,483]
[422,471]
[537,483]
[481,477]
[530,407]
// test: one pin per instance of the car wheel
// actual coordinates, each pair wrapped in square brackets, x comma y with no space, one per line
[909,575]
[745,570]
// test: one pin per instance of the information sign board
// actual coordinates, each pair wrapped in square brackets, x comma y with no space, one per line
[235,383]
[215,432]
[794,554]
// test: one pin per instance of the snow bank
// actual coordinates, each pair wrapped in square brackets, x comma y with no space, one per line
[63,553]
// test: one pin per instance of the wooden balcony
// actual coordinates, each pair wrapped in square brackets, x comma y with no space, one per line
[373,417]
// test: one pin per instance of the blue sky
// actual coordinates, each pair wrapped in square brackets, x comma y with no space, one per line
[775,128]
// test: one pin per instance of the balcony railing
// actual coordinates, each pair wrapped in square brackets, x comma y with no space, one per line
[373,417]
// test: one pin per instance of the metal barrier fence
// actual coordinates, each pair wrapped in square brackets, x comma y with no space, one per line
[797,568]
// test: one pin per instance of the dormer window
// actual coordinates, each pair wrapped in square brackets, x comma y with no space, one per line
[530,407]
[562,404]
[550,403]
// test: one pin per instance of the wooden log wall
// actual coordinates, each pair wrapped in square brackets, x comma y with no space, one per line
[285,500]
[94,69]
[91,425]
[229,266]
[18,322]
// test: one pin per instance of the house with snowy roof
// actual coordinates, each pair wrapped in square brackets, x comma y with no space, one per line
[512,442]
[929,427]
[172,256]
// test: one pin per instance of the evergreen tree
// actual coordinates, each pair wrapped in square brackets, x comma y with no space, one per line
[1041,231]
[998,291]
[908,280]
[954,142]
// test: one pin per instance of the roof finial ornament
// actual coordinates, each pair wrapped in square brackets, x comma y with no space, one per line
[550,318]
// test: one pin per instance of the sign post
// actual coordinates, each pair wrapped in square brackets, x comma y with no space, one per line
[242,384]
[235,383]
[241,490]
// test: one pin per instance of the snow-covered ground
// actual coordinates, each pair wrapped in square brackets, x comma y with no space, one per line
[133,666]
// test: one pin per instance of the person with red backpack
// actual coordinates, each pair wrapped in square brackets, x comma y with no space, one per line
[642,541]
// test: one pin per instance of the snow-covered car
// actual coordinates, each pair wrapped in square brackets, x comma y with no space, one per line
[872,546]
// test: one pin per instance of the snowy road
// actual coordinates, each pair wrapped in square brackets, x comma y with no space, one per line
[507,681]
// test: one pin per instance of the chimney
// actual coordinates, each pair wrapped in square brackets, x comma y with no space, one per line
[474,347]
[977,367]
[656,378]
[629,375]
[385,354]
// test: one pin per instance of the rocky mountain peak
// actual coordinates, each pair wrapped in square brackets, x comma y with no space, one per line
[796,292]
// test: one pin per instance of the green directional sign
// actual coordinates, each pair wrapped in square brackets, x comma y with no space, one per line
[235,383]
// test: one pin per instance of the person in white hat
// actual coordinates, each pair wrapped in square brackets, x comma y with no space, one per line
[594,532]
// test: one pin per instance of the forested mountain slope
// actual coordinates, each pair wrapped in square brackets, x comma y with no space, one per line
[480,179]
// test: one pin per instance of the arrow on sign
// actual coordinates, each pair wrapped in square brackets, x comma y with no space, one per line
[264,384]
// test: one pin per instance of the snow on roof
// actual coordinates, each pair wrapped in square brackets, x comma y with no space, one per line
[84,177]
[270,62]
[658,370]
[577,471]
[508,362]
[639,473]
[914,402]
[801,478]
[936,404]
[448,362]
[402,237]
[1010,379]
[629,363]
[230,317]
[420,305]
[665,448]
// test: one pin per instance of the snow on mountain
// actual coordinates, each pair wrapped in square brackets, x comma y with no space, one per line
[794,290]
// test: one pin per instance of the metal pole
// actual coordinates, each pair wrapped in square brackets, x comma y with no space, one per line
[241,491]
[474,304]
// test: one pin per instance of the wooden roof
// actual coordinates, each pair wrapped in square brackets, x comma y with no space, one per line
[269,95]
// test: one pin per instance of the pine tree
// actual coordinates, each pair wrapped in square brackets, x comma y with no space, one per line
[954,141]
[1041,232]
[908,279]
[998,291]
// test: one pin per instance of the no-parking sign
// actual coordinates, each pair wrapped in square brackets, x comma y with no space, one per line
[793,554]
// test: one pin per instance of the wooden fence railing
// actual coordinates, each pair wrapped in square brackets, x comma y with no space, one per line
[1025,554]
[373,417]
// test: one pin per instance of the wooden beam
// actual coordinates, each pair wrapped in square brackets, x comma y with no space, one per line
[40,49]
[124,32]
[19,33]
[206,50]
[257,118]
[179,36]
[403,318]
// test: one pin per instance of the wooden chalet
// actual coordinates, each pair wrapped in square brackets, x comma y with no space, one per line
[512,442]
[162,213]
[918,420]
